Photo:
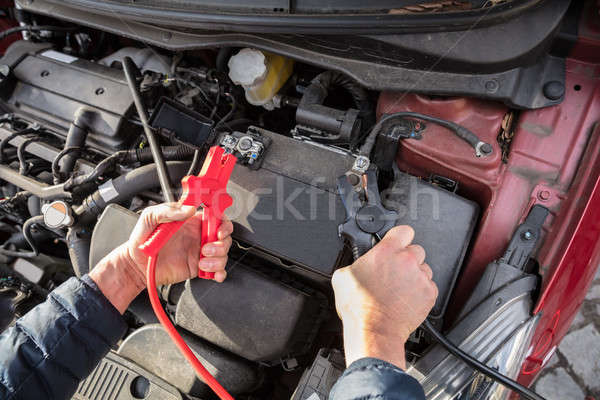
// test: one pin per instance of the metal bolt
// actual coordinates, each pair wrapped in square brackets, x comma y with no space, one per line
[486,148]
[229,141]
[544,195]
[528,235]
[245,143]
[361,162]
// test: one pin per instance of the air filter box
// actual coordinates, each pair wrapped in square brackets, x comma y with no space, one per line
[256,316]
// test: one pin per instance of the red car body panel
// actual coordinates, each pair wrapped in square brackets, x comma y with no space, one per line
[554,161]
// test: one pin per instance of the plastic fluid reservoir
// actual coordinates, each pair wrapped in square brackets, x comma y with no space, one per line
[261,74]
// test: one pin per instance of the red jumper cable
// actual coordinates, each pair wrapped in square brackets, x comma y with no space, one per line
[209,191]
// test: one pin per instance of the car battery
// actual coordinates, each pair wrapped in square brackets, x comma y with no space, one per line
[288,208]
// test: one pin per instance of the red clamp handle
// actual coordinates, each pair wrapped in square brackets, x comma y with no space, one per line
[210,228]
[160,237]
[208,190]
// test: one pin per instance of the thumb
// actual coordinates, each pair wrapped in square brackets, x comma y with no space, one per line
[155,215]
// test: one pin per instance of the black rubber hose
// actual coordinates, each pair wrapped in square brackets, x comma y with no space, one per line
[78,131]
[39,220]
[163,177]
[125,187]
[56,173]
[319,87]
[223,57]
[31,28]
[4,142]
[460,131]
[171,153]
[23,166]
[479,366]
[79,242]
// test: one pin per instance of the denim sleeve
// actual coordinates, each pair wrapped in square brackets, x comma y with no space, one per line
[373,379]
[58,343]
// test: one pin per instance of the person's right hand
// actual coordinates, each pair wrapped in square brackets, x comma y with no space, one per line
[383,297]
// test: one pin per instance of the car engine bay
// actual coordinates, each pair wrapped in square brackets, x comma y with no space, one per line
[76,172]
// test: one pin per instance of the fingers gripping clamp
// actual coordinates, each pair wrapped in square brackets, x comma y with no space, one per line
[207,190]
[367,221]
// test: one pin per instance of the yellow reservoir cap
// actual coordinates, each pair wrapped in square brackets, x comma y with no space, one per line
[261,74]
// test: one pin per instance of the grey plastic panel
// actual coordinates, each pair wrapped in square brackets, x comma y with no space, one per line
[114,378]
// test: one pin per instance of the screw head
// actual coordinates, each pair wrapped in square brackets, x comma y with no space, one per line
[544,195]
[528,235]
[245,144]
[486,148]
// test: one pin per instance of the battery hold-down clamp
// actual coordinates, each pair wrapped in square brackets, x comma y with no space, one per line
[209,191]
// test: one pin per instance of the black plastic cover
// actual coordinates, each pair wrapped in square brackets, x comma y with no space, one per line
[467,60]
[289,208]
[317,381]
[443,224]
[187,125]
[52,86]
[116,378]
[151,348]
[251,315]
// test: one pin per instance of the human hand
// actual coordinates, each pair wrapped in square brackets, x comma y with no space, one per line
[179,259]
[121,275]
[383,297]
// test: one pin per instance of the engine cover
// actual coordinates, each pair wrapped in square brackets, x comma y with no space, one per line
[50,87]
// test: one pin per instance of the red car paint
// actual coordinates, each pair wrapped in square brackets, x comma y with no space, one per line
[554,161]
[7,23]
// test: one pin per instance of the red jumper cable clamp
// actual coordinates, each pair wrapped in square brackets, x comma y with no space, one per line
[208,190]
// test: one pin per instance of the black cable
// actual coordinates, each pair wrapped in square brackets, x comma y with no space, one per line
[208,101]
[218,99]
[56,162]
[31,28]
[481,148]
[163,177]
[23,166]
[37,220]
[171,153]
[227,116]
[194,164]
[481,367]
[4,142]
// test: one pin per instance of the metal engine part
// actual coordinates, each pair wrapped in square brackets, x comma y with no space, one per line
[50,86]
